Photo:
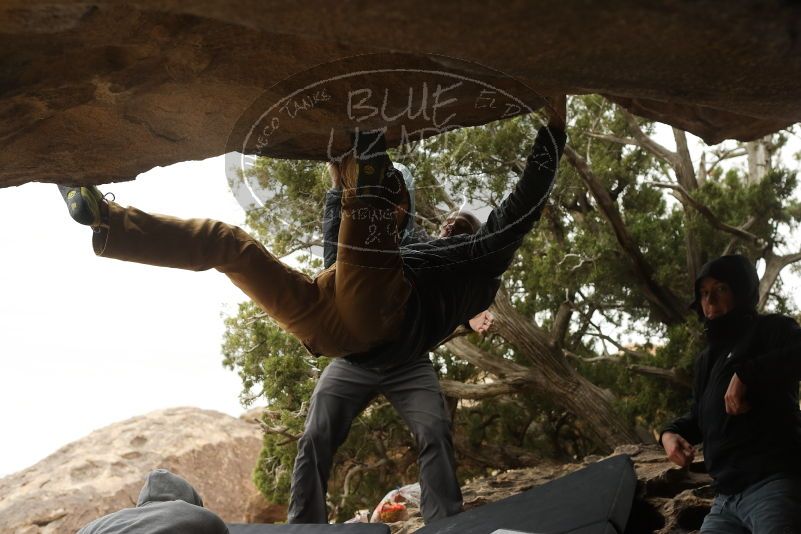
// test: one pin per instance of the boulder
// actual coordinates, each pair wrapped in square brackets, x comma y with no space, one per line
[104,471]
[99,91]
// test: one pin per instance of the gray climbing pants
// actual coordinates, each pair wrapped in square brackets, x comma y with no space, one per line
[342,393]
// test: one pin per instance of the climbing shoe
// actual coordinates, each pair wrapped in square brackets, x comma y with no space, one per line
[376,179]
[84,204]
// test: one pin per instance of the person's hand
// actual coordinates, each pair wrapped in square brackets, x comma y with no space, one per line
[678,450]
[556,111]
[735,397]
[482,322]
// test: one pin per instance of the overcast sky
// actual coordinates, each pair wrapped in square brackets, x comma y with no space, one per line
[89,341]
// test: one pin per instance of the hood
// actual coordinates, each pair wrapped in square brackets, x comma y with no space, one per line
[409,180]
[741,276]
[162,486]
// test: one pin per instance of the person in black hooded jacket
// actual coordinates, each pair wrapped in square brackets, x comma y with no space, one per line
[745,406]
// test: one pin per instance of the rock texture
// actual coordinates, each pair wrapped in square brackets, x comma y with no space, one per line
[669,500]
[104,471]
[98,91]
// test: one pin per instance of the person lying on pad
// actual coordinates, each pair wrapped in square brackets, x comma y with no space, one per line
[376,293]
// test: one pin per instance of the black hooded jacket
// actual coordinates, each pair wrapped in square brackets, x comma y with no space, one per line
[454,278]
[765,352]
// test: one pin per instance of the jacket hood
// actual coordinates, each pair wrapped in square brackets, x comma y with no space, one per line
[162,486]
[409,180]
[741,276]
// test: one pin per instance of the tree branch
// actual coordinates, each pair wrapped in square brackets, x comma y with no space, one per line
[733,242]
[482,359]
[462,390]
[353,471]
[530,339]
[561,322]
[619,347]
[683,163]
[774,264]
[280,431]
[722,155]
[664,303]
[646,142]
[685,198]
[614,138]
[685,174]
[670,375]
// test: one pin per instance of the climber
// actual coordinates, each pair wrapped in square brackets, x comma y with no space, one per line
[346,388]
[377,293]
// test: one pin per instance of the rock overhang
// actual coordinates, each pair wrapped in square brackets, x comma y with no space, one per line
[100,91]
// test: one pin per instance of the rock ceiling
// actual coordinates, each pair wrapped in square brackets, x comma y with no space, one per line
[101,91]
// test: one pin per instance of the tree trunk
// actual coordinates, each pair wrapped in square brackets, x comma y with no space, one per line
[594,406]
[758,160]
[556,379]
[685,174]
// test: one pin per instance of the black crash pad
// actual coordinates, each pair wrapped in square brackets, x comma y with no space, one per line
[351,528]
[593,500]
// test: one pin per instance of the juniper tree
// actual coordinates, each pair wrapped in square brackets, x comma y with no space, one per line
[593,341]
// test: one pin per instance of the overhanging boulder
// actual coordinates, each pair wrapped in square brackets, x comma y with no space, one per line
[101,91]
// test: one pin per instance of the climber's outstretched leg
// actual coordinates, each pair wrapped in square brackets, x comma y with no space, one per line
[347,309]
[302,306]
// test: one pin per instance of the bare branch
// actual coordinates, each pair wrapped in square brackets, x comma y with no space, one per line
[602,358]
[671,375]
[736,152]
[614,138]
[280,431]
[646,142]
[683,163]
[702,169]
[482,359]
[461,390]
[734,240]
[355,470]
[254,347]
[685,198]
[583,260]
[256,318]
[774,264]
[664,302]
[621,348]
[561,322]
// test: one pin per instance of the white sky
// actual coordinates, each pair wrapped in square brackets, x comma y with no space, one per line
[88,341]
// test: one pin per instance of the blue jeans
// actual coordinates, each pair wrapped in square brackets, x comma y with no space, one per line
[771,506]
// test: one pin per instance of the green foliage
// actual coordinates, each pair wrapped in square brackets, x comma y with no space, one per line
[573,256]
